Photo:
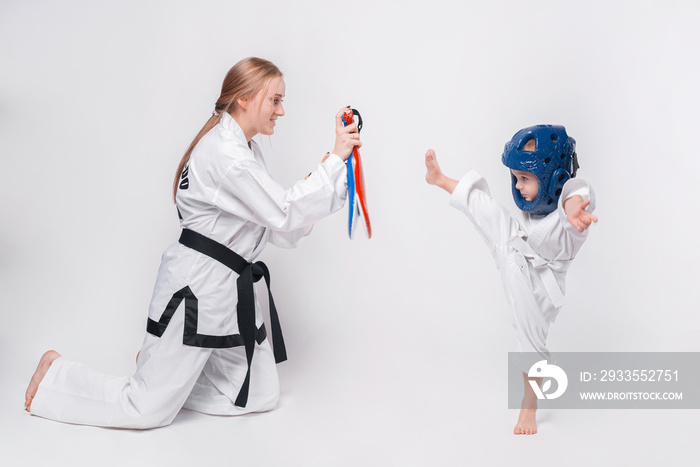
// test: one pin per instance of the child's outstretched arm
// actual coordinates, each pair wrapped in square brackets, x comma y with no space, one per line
[575,209]
[434,176]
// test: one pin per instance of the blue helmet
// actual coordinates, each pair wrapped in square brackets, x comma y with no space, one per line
[553,162]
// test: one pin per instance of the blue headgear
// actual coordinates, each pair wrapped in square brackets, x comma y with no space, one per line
[553,162]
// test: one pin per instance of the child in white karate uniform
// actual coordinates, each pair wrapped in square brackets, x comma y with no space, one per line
[534,248]
[206,346]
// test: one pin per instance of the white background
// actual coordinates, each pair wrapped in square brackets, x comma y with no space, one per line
[398,345]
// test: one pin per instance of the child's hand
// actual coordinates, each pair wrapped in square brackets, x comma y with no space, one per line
[579,217]
[346,137]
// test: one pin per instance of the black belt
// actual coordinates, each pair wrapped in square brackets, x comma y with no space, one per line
[248,273]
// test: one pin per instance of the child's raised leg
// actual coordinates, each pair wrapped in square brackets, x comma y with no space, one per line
[434,176]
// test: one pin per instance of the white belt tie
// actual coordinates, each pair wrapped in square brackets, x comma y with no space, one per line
[545,269]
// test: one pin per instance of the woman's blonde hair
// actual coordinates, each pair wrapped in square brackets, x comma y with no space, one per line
[244,79]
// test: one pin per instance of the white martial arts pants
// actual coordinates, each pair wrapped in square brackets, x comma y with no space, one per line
[532,310]
[169,376]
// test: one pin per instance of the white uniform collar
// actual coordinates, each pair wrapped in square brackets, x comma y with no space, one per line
[228,122]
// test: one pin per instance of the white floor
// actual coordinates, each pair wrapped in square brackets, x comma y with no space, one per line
[327,420]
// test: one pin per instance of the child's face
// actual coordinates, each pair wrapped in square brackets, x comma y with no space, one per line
[527,184]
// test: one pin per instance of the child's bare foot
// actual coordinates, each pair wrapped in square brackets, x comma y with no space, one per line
[526,423]
[434,173]
[44,364]
[434,176]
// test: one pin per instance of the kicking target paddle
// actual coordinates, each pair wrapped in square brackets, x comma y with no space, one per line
[357,208]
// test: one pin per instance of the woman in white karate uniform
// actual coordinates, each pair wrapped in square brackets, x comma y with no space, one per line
[206,348]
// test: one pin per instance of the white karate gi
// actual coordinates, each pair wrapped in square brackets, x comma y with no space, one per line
[532,254]
[227,195]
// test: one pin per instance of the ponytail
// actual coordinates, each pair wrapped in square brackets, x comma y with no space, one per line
[211,123]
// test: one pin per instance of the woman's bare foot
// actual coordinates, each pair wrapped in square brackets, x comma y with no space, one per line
[44,364]
[526,423]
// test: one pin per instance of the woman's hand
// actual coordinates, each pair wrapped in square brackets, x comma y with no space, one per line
[346,137]
[322,161]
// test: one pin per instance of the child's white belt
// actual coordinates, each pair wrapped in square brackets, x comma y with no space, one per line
[545,268]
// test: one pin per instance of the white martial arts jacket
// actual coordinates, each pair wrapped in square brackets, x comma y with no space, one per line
[532,253]
[227,194]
